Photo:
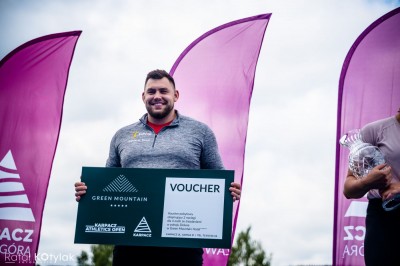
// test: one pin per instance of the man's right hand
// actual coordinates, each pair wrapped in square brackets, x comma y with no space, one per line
[80,190]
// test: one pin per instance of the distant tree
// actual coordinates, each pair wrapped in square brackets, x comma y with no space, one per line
[248,252]
[83,259]
[102,256]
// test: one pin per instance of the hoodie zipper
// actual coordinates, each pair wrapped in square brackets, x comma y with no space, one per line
[154,142]
[155,135]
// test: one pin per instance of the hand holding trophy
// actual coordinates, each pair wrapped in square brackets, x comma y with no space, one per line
[363,157]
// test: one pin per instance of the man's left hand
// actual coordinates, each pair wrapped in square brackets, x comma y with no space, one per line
[235,190]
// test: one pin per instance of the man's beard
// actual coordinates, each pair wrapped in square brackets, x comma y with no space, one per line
[157,114]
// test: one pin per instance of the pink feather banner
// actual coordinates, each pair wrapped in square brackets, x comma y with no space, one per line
[369,89]
[33,80]
[215,76]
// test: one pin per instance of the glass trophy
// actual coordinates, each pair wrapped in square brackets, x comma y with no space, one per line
[362,158]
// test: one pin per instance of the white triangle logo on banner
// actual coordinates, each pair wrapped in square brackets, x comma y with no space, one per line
[357,209]
[8,161]
[10,193]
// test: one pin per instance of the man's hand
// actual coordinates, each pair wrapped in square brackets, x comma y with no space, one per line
[379,177]
[80,190]
[390,191]
[235,190]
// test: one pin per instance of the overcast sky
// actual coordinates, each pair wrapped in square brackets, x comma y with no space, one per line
[290,153]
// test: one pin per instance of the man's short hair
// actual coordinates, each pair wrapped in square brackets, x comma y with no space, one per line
[159,74]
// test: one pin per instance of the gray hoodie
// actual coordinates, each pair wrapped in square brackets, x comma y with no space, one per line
[184,144]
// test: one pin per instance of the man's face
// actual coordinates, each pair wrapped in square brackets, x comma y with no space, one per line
[159,97]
